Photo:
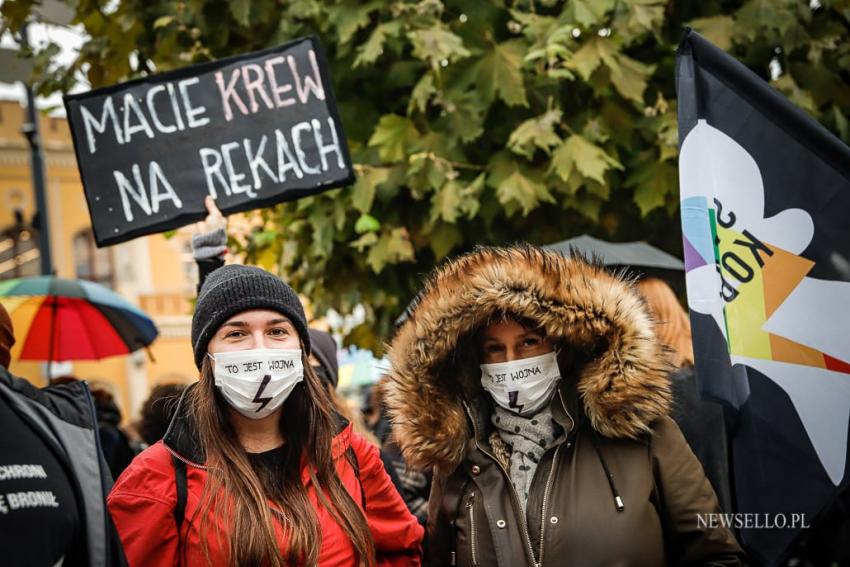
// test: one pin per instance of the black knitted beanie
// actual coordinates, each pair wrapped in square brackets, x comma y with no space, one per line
[233,289]
[324,349]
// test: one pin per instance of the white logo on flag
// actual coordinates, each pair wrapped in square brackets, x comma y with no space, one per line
[744,269]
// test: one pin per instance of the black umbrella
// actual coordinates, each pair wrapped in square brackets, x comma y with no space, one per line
[640,258]
[634,254]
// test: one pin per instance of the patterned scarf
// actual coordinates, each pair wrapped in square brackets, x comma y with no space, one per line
[529,439]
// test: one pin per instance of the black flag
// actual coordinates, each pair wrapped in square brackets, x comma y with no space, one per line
[765,201]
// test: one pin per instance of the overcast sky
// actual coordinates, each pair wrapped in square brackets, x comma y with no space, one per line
[68,38]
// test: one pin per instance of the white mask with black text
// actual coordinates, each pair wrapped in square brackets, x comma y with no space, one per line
[256,382]
[522,386]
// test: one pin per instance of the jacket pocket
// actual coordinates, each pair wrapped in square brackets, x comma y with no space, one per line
[473,529]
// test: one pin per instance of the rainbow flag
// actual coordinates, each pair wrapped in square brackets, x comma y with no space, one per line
[765,204]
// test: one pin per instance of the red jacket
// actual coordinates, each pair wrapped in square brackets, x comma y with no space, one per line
[143,500]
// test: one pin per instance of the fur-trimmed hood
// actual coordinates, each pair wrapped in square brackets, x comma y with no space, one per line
[623,387]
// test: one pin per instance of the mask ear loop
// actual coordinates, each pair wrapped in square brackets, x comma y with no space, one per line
[558,350]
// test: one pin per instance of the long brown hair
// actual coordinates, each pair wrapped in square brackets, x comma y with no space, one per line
[235,494]
[671,321]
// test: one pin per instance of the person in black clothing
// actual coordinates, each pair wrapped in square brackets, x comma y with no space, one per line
[52,508]
[117,449]
[414,485]
[157,412]
[323,358]
[324,361]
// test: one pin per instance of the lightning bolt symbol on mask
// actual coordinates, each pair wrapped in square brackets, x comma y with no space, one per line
[513,398]
[263,401]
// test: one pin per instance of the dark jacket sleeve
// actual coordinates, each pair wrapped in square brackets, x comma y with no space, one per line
[685,501]
[206,267]
[413,485]
[704,425]
[209,249]
[442,511]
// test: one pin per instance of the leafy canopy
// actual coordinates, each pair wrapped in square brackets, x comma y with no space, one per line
[472,122]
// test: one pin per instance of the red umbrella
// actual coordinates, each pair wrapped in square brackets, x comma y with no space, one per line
[57,319]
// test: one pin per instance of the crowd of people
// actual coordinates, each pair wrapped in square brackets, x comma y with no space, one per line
[533,414]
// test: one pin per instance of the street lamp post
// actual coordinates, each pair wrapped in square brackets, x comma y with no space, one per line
[31,131]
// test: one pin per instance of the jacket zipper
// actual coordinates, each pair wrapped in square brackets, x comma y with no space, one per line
[187,461]
[549,482]
[546,493]
[512,490]
[180,548]
[470,506]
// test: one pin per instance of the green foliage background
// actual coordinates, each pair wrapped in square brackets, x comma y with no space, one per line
[473,122]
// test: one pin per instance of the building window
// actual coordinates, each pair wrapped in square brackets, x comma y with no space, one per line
[90,262]
[19,253]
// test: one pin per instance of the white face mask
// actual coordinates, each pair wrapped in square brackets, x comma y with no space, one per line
[256,382]
[522,386]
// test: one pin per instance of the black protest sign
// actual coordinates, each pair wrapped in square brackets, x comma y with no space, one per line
[250,131]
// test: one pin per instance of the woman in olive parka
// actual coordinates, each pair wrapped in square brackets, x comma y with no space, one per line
[534,387]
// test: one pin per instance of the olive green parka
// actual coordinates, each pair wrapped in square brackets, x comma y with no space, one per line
[622,488]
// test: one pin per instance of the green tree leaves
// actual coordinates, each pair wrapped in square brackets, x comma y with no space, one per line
[438,46]
[538,132]
[391,247]
[517,184]
[374,46]
[456,199]
[498,73]
[587,13]
[241,10]
[394,136]
[577,154]
[628,75]
[472,122]
[716,29]
[368,180]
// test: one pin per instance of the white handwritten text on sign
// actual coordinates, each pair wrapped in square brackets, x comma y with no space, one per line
[249,131]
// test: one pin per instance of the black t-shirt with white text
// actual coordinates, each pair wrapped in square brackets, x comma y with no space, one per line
[39,518]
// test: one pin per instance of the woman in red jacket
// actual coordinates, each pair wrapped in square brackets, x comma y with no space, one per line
[256,467]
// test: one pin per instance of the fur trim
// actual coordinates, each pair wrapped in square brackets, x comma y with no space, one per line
[623,388]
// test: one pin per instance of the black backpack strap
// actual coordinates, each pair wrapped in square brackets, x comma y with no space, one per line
[182,490]
[352,458]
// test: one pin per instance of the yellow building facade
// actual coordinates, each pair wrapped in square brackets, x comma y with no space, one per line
[154,272]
